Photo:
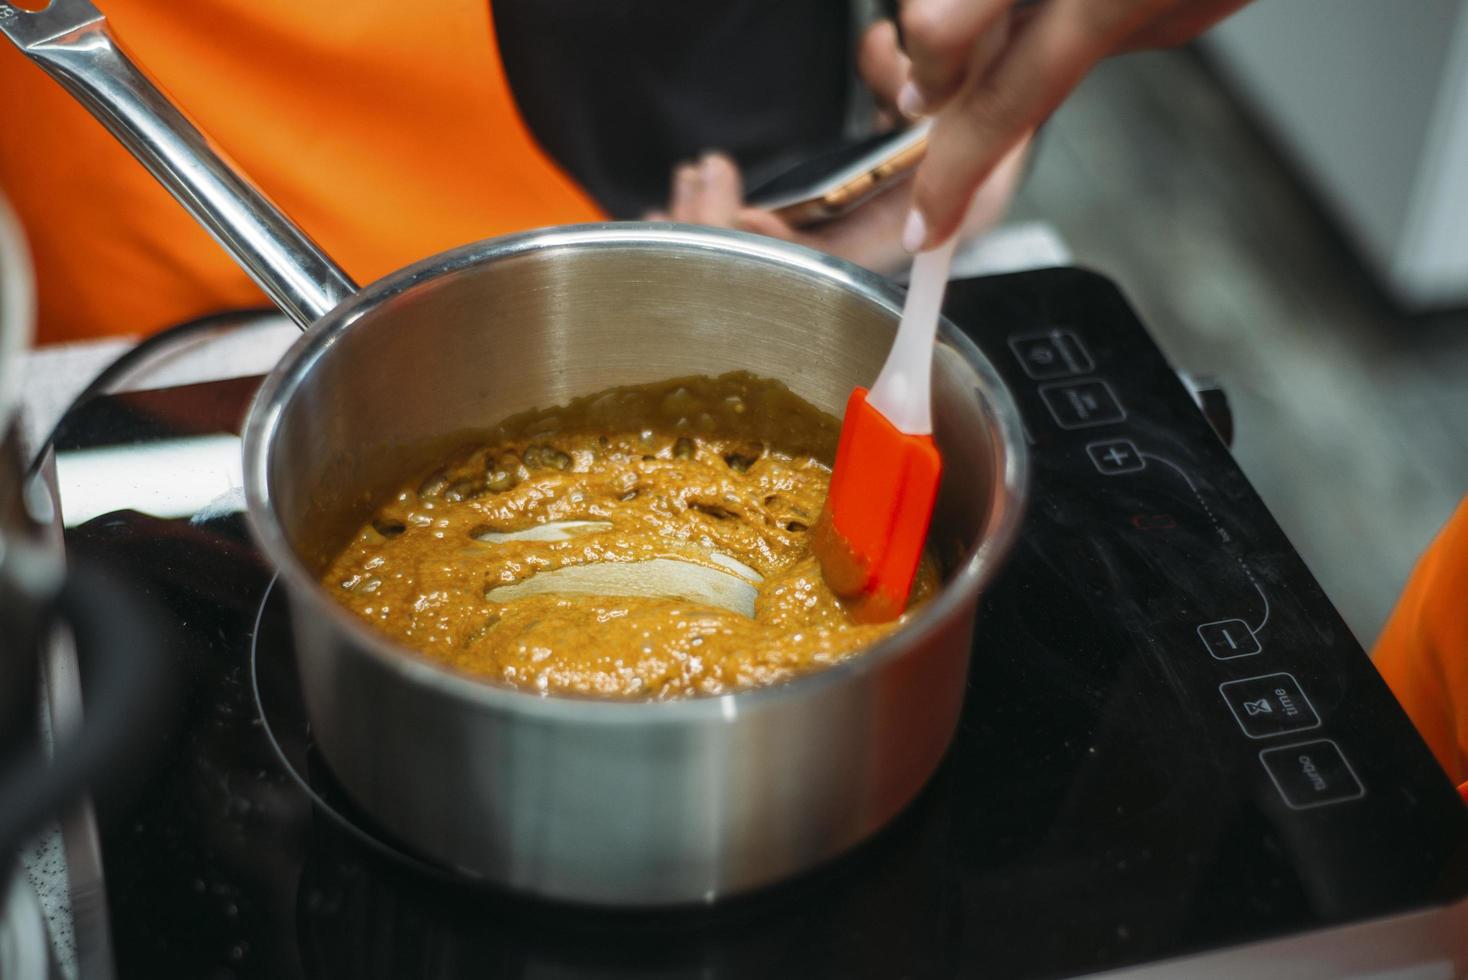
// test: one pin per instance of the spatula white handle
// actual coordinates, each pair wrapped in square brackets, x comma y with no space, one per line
[901,391]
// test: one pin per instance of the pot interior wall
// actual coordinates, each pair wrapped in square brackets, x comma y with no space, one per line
[417,376]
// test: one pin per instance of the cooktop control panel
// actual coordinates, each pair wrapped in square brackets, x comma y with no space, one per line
[1210,690]
[1265,706]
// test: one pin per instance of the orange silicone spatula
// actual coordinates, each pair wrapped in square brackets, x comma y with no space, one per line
[869,538]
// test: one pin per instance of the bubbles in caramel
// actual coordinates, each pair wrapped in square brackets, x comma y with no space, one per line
[647,542]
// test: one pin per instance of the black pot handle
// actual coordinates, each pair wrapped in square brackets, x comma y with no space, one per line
[126,684]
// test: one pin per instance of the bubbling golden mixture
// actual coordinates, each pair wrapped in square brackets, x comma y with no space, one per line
[724,475]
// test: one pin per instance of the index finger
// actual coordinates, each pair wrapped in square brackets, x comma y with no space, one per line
[991,114]
[940,37]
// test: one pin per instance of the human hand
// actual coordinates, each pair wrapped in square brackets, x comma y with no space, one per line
[710,192]
[991,71]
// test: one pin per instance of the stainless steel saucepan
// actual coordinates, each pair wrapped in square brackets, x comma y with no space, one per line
[597,801]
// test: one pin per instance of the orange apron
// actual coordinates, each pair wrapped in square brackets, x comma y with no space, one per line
[387,131]
[1423,652]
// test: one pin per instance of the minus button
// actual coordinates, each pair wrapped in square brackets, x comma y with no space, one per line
[1229,638]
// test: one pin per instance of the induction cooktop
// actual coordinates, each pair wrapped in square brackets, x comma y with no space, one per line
[1174,758]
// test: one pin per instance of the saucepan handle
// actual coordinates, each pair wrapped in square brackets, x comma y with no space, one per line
[70,41]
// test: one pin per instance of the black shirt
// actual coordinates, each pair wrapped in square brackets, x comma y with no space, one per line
[618,91]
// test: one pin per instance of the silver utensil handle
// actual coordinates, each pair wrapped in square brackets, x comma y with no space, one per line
[71,42]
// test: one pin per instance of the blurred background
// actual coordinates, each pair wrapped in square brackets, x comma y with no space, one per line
[1286,204]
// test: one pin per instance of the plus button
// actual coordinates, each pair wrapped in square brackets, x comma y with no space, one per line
[1115,456]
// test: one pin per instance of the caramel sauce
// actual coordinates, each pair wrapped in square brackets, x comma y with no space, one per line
[689,469]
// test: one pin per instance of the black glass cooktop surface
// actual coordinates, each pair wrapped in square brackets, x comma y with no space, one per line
[1171,742]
